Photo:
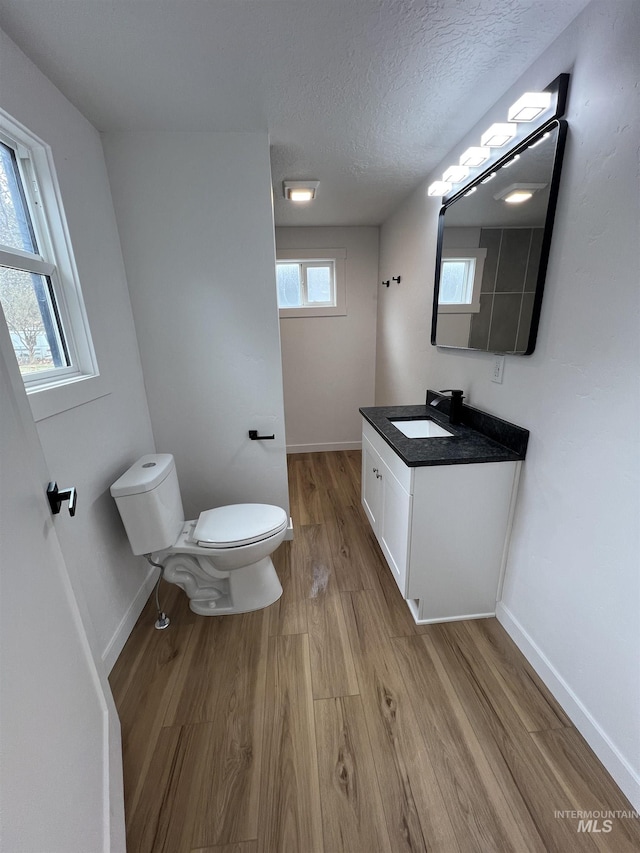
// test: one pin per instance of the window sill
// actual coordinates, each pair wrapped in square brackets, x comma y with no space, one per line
[47,402]
[327,311]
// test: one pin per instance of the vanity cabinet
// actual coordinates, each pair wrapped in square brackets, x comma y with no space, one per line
[388,507]
[443,529]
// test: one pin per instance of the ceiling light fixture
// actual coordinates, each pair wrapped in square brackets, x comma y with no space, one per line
[529,106]
[499,134]
[300,190]
[475,156]
[518,193]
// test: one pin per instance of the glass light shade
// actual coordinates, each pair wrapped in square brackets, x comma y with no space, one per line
[499,134]
[300,195]
[439,188]
[455,174]
[529,106]
[518,197]
[475,156]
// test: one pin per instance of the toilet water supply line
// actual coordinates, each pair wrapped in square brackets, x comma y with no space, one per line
[163,620]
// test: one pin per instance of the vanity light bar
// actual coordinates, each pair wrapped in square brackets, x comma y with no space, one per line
[511,162]
[439,188]
[455,174]
[475,156]
[529,106]
[499,134]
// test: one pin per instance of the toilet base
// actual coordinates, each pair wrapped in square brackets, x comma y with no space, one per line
[212,592]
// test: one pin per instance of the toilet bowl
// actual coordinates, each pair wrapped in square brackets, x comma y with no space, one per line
[222,559]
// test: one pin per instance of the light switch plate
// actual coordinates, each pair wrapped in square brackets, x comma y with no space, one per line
[498,368]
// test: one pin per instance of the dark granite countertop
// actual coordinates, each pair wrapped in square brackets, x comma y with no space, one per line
[480,437]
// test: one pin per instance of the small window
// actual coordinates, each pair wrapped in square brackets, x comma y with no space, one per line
[38,293]
[311,282]
[460,280]
[307,284]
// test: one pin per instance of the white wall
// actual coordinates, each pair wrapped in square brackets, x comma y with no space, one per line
[195,217]
[90,445]
[572,587]
[329,362]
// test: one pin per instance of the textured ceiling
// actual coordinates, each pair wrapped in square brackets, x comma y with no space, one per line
[366,96]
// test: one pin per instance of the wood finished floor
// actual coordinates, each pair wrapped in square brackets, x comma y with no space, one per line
[330,722]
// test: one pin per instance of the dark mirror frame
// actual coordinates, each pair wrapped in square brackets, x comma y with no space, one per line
[559,85]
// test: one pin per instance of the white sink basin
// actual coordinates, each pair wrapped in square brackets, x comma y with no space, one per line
[422,428]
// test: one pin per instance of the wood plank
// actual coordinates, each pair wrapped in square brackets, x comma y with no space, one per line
[162,819]
[290,817]
[240,847]
[340,480]
[480,811]
[309,502]
[514,757]
[224,657]
[531,700]
[590,789]
[396,615]
[332,668]
[353,817]
[154,660]
[126,670]
[288,615]
[227,793]
[416,815]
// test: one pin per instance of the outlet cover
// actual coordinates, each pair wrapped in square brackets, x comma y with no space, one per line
[498,369]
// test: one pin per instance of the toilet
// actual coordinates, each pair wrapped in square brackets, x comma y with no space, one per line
[222,559]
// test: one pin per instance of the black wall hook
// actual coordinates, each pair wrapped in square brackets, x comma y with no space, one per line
[396,278]
[386,283]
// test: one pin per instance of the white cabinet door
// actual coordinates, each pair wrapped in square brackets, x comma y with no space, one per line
[395,527]
[371,484]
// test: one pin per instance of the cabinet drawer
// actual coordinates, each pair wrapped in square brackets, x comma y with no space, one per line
[402,472]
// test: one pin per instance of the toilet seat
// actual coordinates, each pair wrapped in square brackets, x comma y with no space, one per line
[238,524]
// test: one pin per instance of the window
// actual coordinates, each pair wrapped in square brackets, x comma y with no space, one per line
[311,282]
[39,292]
[460,280]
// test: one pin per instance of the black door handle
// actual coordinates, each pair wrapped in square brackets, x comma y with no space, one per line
[253,435]
[57,496]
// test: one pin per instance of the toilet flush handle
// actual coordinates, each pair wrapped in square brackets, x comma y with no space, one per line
[253,435]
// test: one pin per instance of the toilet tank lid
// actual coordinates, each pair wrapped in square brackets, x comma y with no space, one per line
[144,475]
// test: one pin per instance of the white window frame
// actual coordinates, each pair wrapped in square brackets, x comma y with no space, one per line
[476,255]
[321,257]
[58,389]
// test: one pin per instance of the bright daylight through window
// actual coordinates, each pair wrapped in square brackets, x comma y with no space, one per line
[39,296]
[306,284]
[311,282]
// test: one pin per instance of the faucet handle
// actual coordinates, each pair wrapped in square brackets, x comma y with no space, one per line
[455,392]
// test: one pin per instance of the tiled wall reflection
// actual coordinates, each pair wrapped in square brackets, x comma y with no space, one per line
[508,286]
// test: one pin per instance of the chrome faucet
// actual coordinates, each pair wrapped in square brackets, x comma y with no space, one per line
[455,406]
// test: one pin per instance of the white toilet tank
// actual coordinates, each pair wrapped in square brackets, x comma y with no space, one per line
[149,501]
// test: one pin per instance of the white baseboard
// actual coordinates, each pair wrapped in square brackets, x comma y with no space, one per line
[116,643]
[289,533]
[616,764]
[320,448]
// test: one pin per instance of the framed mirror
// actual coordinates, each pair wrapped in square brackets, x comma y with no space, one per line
[494,237]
